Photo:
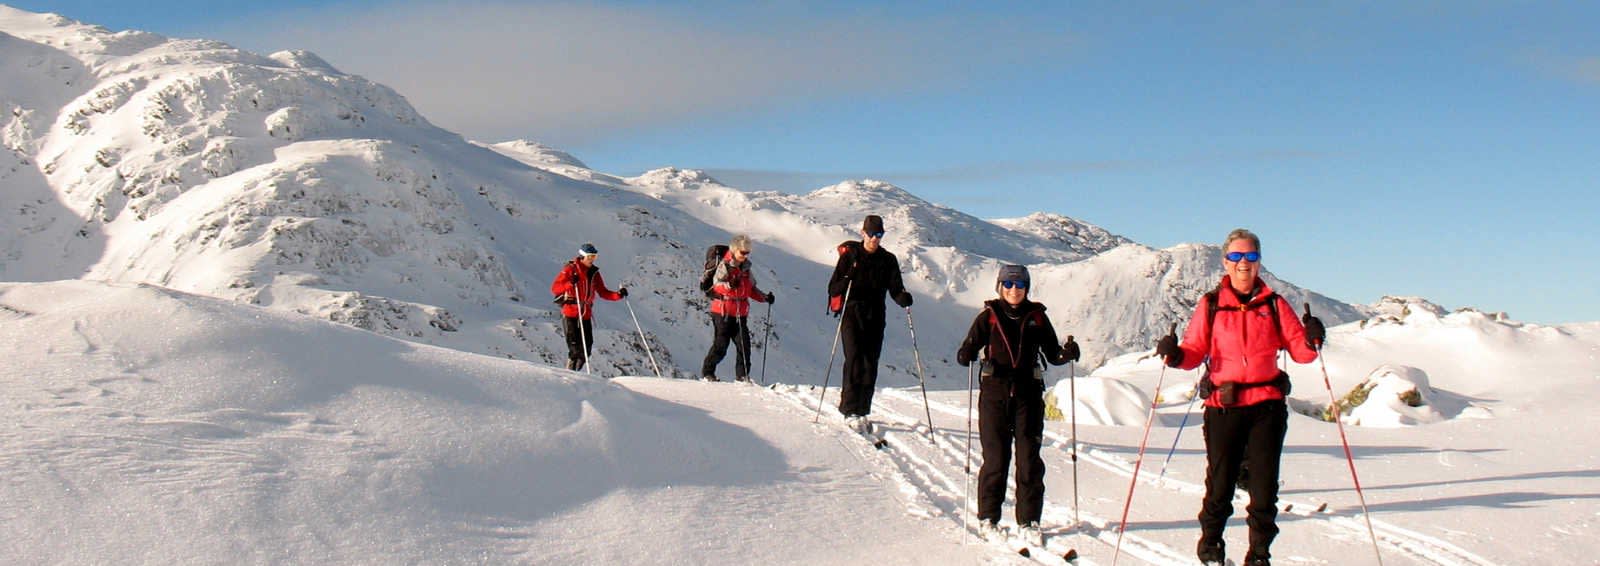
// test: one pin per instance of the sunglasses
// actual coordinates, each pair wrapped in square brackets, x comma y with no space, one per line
[744,253]
[878,235]
[1251,257]
[1014,284]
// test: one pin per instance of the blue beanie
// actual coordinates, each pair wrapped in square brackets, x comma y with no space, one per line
[588,249]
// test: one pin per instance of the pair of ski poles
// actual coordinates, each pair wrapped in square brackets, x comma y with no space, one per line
[1338,420]
[583,338]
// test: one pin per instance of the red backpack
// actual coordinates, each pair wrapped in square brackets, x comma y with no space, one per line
[851,247]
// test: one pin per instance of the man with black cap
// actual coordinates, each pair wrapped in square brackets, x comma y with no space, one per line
[575,289]
[1014,334]
[867,272]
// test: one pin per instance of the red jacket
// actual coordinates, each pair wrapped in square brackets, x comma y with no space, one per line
[1242,344]
[576,285]
[734,287]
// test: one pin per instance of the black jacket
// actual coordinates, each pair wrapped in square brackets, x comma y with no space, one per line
[869,276]
[1025,333]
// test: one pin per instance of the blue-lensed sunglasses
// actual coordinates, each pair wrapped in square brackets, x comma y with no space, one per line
[878,235]
[1251,257]
[1014,284]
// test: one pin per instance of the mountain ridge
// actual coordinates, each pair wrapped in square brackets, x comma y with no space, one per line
[283,182]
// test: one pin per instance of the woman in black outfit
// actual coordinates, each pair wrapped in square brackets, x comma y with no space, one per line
[1014,333]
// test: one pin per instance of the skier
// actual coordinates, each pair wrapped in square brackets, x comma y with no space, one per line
[733,287]
[867,272]
[1013,332]
[575,289]
[1246,417]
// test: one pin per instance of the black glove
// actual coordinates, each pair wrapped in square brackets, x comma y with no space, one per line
[771,297]
[1316,334]
[623,291]
[1168,348]
[1069,350]
[903,299]
[962,359]
[711,293]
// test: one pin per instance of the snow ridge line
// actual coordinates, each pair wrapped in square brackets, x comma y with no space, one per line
[1411,543]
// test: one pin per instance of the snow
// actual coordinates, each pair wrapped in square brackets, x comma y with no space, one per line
[258,310]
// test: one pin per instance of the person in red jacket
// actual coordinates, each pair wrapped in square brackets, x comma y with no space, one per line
[1246,417]
[575,289]
[732,289]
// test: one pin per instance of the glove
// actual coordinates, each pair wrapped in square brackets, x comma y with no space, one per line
[1168,348]
[771,297]
[1069,350]
[962,359]
[903,299]
[711,293]
[1316,334]
[623,291]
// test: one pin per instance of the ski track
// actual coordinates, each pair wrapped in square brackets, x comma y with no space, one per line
[930,484]
[1392,539]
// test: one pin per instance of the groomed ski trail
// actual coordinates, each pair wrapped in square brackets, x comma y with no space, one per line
[1345,524]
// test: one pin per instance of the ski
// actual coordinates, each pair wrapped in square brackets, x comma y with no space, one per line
[874,435]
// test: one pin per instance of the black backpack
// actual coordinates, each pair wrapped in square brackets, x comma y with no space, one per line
[714,255]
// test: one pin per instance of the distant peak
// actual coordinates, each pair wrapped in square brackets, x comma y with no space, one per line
[302,59]
[538,153]
[677,178]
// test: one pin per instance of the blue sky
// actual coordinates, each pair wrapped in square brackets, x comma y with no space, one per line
[1444,149]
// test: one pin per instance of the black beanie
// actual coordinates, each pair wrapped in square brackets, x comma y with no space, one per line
[1012,273]
[873,223]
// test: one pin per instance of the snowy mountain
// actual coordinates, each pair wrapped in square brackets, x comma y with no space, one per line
[259,310]
[282,182]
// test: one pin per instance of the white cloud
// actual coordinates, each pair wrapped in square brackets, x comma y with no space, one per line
[566,73]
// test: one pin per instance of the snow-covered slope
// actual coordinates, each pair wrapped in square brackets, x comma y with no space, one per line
[148,426]
[151,426]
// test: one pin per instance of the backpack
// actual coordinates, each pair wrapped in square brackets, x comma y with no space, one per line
[1212,308]
[1206,385]
[714,254]
[836,302]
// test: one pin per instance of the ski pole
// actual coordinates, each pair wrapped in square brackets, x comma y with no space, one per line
[1338,418]
[966,501]
[1186,411]
[921,380]
[583,339]
[1122,525]
[1072,387]
[766,344]
[646,343]
[833,347]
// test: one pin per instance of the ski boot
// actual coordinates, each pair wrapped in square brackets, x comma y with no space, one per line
[1210,553]
[990,531]
[1031,535]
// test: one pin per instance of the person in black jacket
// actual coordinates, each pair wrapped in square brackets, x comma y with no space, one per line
[868,272]
[1014,333]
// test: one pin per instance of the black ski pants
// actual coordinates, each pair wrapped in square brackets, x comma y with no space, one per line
[576,354]
[863,342]
[1235,435]
[728,329]
[1011,412]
